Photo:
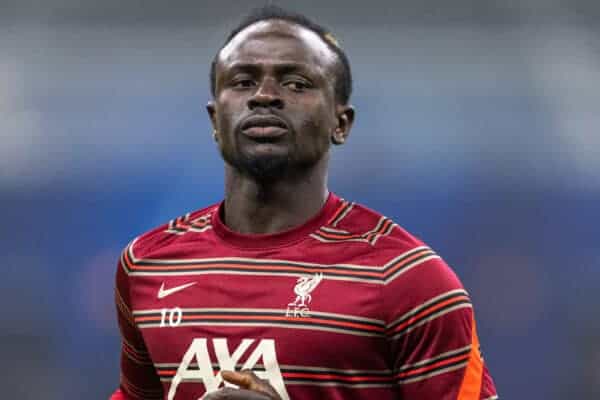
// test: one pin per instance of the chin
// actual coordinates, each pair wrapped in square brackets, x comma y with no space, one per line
[267,167]
[260,167]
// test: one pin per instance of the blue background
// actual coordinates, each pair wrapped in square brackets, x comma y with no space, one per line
[477,130]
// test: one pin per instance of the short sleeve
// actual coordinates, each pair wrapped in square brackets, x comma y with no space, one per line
[138,378]
[431,332]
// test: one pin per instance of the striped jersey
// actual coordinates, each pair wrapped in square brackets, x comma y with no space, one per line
[347,306]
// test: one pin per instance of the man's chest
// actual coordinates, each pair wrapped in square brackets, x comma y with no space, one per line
[293,327]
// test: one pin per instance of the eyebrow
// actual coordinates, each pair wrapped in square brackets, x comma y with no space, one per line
[282,67]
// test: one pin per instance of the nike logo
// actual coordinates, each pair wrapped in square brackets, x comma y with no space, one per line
[162,292]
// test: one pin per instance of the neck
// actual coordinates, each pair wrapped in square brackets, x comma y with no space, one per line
[255,207]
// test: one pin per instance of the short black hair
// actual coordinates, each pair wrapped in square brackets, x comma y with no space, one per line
[343,80]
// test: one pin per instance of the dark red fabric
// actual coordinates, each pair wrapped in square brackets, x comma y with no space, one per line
[386,318]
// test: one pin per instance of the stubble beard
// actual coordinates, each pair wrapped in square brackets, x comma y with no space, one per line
[268,168]
[263,169]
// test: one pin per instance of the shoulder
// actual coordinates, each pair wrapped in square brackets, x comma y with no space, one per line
[411,270]
[356,223]
[170,232]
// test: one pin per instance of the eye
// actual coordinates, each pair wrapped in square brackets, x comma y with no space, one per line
[242,83]
[296,85]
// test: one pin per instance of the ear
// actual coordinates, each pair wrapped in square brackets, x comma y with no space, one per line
[345,119]
[212,113]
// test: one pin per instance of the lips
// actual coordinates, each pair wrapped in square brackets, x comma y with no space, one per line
[264,127]
[263,121]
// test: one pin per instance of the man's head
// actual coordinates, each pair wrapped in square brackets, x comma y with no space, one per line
[343,79]
[281,86]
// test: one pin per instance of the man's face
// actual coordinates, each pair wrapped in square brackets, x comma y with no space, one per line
[274,110]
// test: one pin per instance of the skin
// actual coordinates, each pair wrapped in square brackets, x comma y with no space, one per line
[276,68]
[251,387]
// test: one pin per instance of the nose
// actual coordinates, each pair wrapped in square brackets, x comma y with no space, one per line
[266,95]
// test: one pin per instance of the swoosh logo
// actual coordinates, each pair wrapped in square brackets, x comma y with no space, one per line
[162,292]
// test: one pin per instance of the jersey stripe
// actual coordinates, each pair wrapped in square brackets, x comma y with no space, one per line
[431,309]
[383,228]
[182,225]
[430,374]
[141,353]
[268,311]
[124,311]
[248,266]
[340,213]
[135,355]
[302,375]
[406,262]
[338,323]
[443,356]
[438,365]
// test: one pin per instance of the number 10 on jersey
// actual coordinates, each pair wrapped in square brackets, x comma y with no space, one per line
[170,316]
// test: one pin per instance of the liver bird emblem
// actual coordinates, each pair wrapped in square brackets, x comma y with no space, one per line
[304,286]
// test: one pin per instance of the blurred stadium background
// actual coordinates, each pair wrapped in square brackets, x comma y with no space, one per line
[477,129]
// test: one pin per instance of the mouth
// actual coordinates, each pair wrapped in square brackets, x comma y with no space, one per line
[264,128]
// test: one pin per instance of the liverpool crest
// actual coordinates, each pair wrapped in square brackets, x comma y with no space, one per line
[304,286]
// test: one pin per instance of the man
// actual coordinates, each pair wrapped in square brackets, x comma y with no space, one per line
[284,290]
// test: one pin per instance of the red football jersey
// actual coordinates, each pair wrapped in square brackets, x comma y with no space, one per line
[346,306]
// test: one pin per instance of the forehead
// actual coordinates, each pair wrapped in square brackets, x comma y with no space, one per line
[275,42]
